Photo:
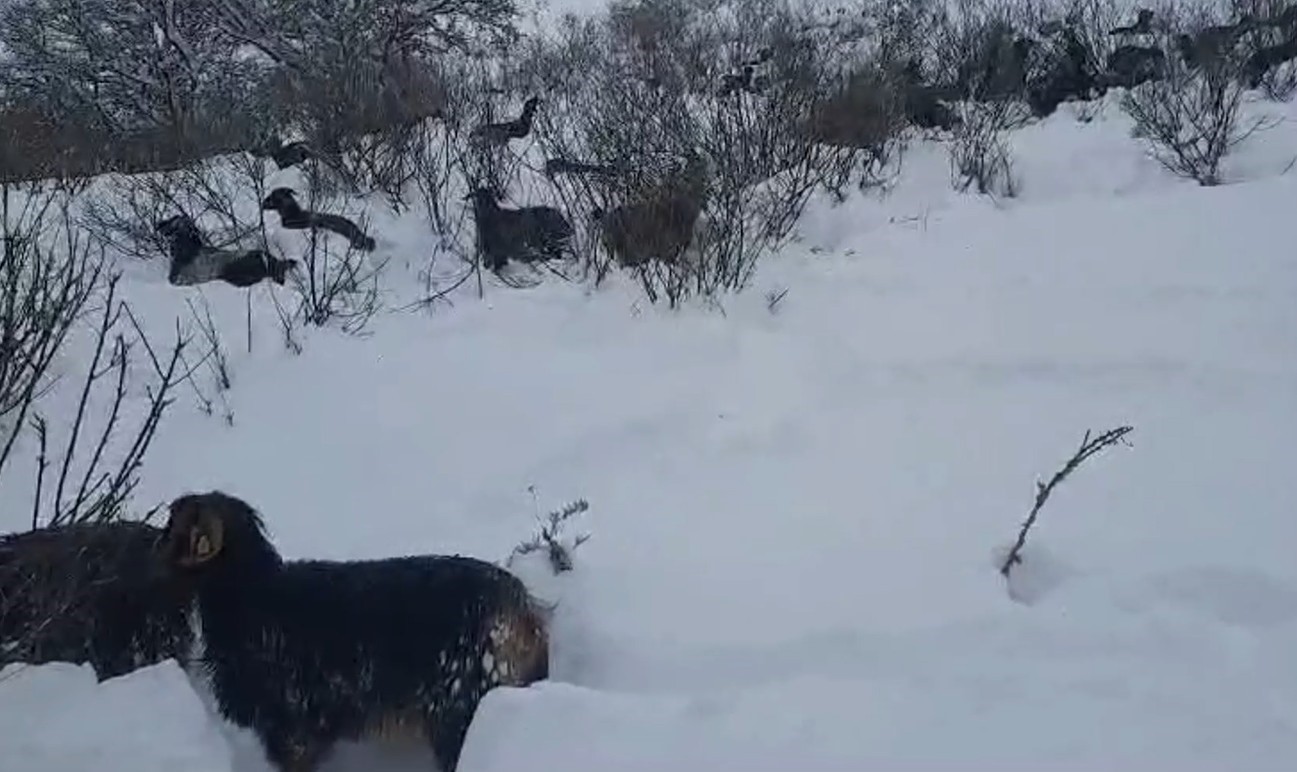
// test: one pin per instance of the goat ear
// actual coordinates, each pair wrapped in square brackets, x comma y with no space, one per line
[204,539]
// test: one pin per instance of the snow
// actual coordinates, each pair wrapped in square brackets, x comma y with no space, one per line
[55,717]
[796,514]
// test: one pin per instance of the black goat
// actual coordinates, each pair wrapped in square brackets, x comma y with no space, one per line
[923,102]
[96,593]
[746,80]
[291,154]
[1261,61]
[529,234]
[1067,72]
[1143,24]
[193,261]
[501,133]
[1129,66]
[307,653]
[293,217]
[1284,20]
[1210,48]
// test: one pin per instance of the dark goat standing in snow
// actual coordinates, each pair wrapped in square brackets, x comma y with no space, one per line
[1143,24]
[1129,66]
[193,261]
[293,217]
[923,102]
[529,234]
[1261,61]
[501,133]
[307,653]
[291,154]
[96,593]
[1068,73]
[1212,46]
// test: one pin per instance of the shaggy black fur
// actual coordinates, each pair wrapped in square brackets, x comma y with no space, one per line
[529,234]
[193,261]
[93,593]
[294,217]
[306,653]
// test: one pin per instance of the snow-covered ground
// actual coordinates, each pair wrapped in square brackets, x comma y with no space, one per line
[796,514]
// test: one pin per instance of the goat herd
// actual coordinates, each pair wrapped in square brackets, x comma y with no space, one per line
[660,226]
[1059,66]
[303,653]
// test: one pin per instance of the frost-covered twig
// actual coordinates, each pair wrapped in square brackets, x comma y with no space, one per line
[560,554]
[1089,447]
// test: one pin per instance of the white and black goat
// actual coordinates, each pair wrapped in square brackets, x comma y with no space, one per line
[95,593]
[308,653]
[529,234]
[293,217]
[194,261]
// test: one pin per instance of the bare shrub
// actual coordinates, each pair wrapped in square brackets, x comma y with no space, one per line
[1190,120]
[335,285]
[550,537]
[1090,446]
[979,151]
[223,192]
[660,136]
[356,76]
[216,359]
[41,298]
[146,85]
[50,277]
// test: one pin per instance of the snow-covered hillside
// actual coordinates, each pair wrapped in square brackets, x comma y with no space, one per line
[796,514]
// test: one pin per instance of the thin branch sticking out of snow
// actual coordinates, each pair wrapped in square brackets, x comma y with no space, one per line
[1089,447]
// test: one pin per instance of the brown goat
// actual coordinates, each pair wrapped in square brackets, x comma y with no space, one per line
[659,226]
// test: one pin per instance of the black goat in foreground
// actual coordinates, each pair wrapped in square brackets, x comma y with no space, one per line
[307,653]
[501,133]
[527,235]
[95,593]
[193,261]
[293,217]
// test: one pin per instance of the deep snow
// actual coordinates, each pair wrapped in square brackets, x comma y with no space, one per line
[796,514]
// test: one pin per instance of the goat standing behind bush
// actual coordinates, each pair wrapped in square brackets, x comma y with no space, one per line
[658,226]
[94,593]
[306,653]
